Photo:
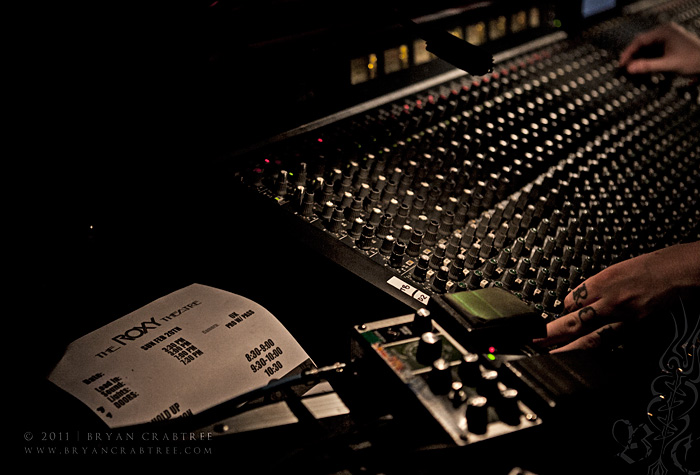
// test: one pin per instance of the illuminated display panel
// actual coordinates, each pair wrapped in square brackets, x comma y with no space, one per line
[593,7]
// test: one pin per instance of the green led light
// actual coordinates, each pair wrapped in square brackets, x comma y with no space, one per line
[557,23]
[491,357]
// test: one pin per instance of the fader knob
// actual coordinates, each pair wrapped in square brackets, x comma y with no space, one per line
[429,348]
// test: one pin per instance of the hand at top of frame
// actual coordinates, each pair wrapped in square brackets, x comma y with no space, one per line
[681,51]
[626,291]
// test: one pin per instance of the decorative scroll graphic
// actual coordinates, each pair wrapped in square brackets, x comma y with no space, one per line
[665,442]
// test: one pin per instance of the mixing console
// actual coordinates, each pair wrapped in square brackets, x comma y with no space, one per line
[531,178]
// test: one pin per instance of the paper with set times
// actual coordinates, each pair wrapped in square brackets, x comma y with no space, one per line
[179,355]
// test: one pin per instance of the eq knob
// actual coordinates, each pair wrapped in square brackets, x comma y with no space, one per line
[420,272]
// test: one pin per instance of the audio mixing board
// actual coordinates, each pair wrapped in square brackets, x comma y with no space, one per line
[521,183]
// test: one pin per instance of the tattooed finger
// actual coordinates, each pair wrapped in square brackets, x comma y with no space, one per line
[579,297]
[581,293]
[571,326]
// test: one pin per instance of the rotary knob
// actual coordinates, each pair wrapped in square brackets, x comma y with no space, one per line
[487,385]
[477,414]
[469,370]
[440,377]
[429,348]
[422,322]
[507,407]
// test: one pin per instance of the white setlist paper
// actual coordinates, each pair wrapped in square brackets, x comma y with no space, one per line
[179,355]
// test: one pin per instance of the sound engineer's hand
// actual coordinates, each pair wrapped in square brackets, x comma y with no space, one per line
[681,51]
[629,290]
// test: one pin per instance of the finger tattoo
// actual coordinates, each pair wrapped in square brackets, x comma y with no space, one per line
[586,311]
[580,293]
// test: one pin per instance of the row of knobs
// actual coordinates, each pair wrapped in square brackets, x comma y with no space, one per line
[476,388]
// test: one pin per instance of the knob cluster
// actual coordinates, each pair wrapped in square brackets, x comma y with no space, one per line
[467,384]
[530,179]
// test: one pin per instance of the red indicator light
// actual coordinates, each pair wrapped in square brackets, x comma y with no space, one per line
[267,160]
[320,140]
[492,349]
